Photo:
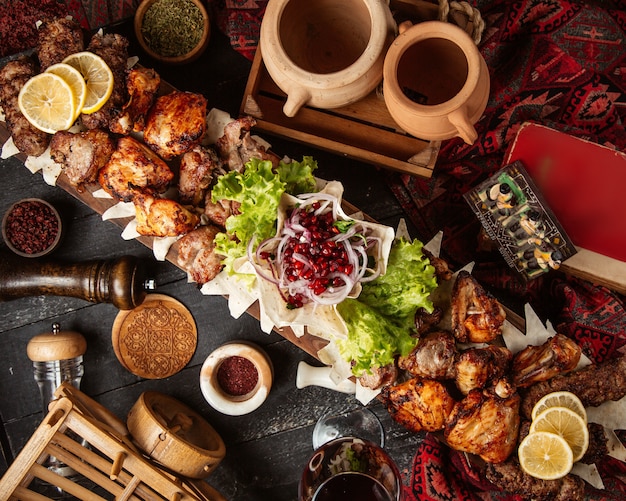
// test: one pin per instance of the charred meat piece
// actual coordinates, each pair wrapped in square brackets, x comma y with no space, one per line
[425,321]
[219,212]
[418,404]
[57,39]
[196,254]
[176,123]
[509,477]
[433,357]
[27,138]
[162,217]
[593,384]
[196,173]
[82,155]
[598,448]
[133,166]
[486,423]
[142,85]
[476,315]
[379,377]
[236,146]
[442,269]
[477,367]
[533,364]
[113,48]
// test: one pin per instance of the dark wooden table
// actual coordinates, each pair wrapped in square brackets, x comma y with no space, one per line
[266,449]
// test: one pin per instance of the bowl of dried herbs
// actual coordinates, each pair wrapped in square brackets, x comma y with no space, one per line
[172,31]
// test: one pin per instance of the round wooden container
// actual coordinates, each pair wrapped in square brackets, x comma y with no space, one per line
[190,56]
[31,236]
[174,435]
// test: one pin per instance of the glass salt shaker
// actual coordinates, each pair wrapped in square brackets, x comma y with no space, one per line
[57,357]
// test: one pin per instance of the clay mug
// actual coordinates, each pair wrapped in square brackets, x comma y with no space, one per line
[325,53]
[435,81]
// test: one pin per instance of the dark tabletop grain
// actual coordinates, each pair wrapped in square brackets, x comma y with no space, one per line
[266,449]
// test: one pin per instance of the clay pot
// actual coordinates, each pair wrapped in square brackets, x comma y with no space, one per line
[435,81]
[325,54]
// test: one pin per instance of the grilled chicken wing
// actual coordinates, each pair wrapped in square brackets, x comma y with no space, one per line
[433,357]
[236,146]
[176,123]
[196,254]
[57,39]
[509,477]
[82,155]
[593,384]
[26,137]
[486,423]
[142,85]
[477,367]
[196,173]
[162,217]
[133,166]
[476,315]
[113,48]
[418,404]
[557,355]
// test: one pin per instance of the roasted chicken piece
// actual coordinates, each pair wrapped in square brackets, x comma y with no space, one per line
[236,146]
[82,154]
[442,269]
[557,355]
[379,377]
[57,39]
[477,317]
[113,48]
[133,166]
[196,254]
[509,477]
[433,357]
[593,384]
[219,212]
[142,85]
[476,367]
[26,137]
[196,174]
[486,423]
[175,123]
[162,217]
[418,404]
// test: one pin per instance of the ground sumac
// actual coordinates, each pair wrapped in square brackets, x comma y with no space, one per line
[31,227]
[237,376]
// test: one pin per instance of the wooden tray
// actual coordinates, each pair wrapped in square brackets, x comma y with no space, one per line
[364,130]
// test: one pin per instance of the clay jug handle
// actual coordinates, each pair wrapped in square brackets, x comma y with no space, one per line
[403,26]
[296,99]
[465,129]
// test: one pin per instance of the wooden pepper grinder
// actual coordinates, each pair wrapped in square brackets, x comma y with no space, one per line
[121,281]
[57,357]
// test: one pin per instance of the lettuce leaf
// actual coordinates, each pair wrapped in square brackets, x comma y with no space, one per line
[258,189]
[380,321]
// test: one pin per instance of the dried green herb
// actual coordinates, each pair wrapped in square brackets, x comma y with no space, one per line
[172,27]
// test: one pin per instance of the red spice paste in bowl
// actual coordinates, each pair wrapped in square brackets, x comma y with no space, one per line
[31,227]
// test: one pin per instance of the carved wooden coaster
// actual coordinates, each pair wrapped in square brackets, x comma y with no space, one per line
[155,340]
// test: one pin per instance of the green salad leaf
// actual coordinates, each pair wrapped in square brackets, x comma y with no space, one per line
[380,321]
[258,190]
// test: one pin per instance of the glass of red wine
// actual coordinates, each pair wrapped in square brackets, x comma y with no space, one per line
[350,468]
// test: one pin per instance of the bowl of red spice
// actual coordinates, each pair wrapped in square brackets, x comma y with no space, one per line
[32,228]
[172,31]
[236,378]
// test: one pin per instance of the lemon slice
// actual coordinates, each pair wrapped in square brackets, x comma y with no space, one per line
[545,455]
[560,399]
[48,102]
[566,423]
[75,80]
[98,77]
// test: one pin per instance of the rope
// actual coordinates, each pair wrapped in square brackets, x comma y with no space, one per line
[475,23]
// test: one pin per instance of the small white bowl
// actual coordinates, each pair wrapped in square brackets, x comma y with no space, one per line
[229,403]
